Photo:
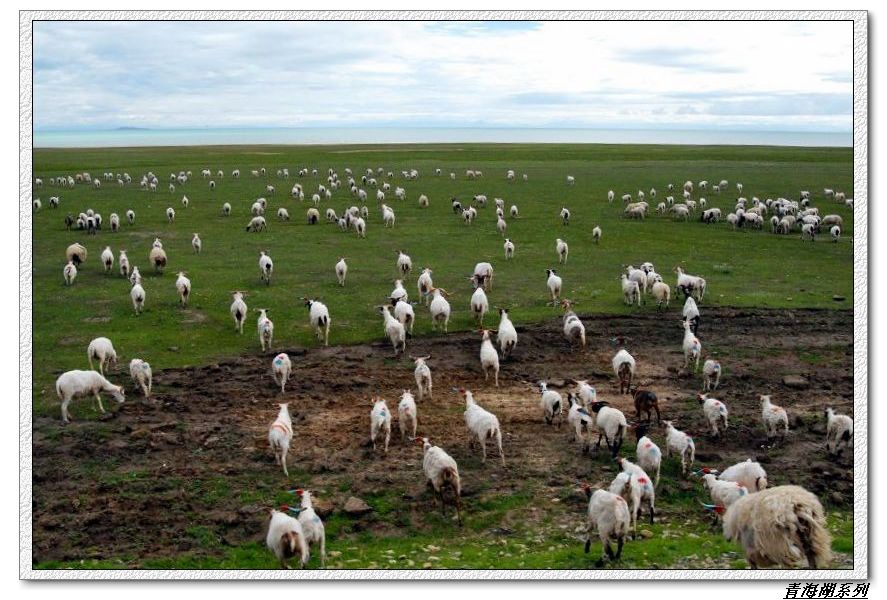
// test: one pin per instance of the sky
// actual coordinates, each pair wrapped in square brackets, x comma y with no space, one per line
[781,76]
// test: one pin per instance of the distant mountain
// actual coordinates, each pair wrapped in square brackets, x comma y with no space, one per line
[131,129]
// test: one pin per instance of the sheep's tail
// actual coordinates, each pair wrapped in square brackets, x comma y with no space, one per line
[815,539]
[760,483]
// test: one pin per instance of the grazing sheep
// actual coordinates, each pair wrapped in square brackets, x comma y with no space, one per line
[442,472]
[711,375]
[319,319]
[286,539]
[103,351]
[394,329]
[483,425]
[439,308]
[715,413]
[75,253]
[238,311]
[489,358]
[140,372]
[839,432]
[283,214]
[681,444]
[407,416]
[78,384]
[774,417]
[748,474]
[281,367]
[608,513]
[781,526]
[550,402]
[555,283]
[265,328]
[380,422]
[69,273]
[183,286]
[506,334]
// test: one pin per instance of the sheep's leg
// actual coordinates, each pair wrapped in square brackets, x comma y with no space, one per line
[65,416]
[98,400]
[619,544]
[652,512]
[497,377]
[483,448]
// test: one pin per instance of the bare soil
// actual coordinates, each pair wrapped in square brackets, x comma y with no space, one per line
[123,484]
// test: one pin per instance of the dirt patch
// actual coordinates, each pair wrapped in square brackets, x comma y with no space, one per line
[193,316]
[137,481]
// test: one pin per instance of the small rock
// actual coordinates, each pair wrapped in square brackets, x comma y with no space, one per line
[356,507]
[795,382]
[645,533]
[837,298]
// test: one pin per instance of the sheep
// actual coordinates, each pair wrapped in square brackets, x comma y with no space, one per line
[423,201]
[692,347]
[690,283]
[69,273]
[483,276]
[183,286]
[341,271]
[238,311]
[403,312]
[509,249]
[624,367]
[781,526]
[774,417]
[715,413]
[170,214]
[319,319]
[750,475]
[137,294]
[501,225]
[440,308]
[399,292]
[690,313]
[483,425]
[579,419]
[281,367]
[441,472]
[360,227]
[608,513]
[108,259]
[404,263]
[610,424]
[555,283]
[226,209]
[723,493]
[140,372]
[74,384]
[265,328]
[649,456]
[562,250]
[258,208]
[313,216]
[586,393]
[424,284]
[286,539]
[75,253]
[479,305]
[185,201]
[103,351]
[574,330]
[828,220]
[681,444]
[506,334]
[513,211]
[283,214]
[380,422]
[639,276]
[489,358]
[123,261]
[711,375]
[635,488]
[835,232]
[596,234]
[631,291]
[645,401]
[388,216]
[611,195]
[550,402]
[312,526]
[394,329]
[266,267]
[839,432]
[114,220]
[661,293]
[565,216]
[196,243]
[257,224]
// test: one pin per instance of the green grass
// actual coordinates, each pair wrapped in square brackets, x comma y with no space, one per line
[743,268]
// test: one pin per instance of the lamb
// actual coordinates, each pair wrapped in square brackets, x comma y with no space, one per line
[609,514]
[286,539]
[185,201]
[238,311]
[140,372]
[69,273]
[479,305]
[483,425]
[506,334]
[76,254]
[440,308]
[103,351]
[611,195]
[723,493]
[388,217]
[183,286]
[565,216]
[407,415]
[610,424]
[341,271]
[555,283]
[513,211]
[501,225]
[280,434]
[781,526]
[509,249]
[596,234]
[265,328]
[75,384]
[715,413]
[774,418]
[281,367]
[137,293]
[403,312]
[312,526]
[661,293]
[394,329]
[839,432]
[711,375]
[483,276]
[645,401]
[631,290]
[649,456]
[562,250]
[380,422]
[692,347]
[690,312]
[319,318]
[441,472]
[157,257]
[748,474]
[574,330]
[404,263]
[624,367]
[170,214]
[550,402]
[579,419]
[681,444]
[489,358]
[266,267]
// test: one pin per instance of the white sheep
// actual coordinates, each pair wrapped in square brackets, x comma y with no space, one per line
[692,347]
[839,431]
[137,292]
[185,201]
[579,420]
[380,422]
[69,272]
[661,293]
[565,215]
[439,308]
[483,425]
[624,368]
[422,374]
[170,214]
[639,276]
[551,403]
[424,284]
[835,232]
[266,267]
[509,249]
[574,330]
[280,433]
[750,475]
[394,329]
[360,227]
[140,372]
[407,415]
[238,311]
[690,284]
[281,368]
[76,384]
[506,334]
[183,286]
[483,276]
[781,526]
[76,253]
[403,312]
[102,350]
[571,180]
[611,195]
[489,358]
[711,374]
[609,514]
[265,328]
[479,305]
[123,261]
[649,456]
[226,209]
[610,424]
[313,216]
[341,271]
[555,284]
[442,472]
[286,539]
[114,220]
[513,211]
[399,292]
[774,417]
[723,493]
[681,444]
[404,263]
[631,291]
[562,249]
[319,319]
[638,491]
[312,526]
[596,234]
[690,313]
[715,413]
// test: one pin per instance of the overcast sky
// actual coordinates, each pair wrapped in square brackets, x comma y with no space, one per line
[696,75]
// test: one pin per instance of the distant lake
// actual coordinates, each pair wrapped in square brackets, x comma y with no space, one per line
[428,135]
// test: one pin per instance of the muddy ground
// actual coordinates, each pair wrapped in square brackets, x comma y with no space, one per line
[124,484]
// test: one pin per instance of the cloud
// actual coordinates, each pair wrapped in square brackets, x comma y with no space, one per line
[679,58]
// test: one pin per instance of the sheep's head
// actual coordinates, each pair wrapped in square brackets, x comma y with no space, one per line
[701,398]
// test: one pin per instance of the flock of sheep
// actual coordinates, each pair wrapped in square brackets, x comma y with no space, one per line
[782,526]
